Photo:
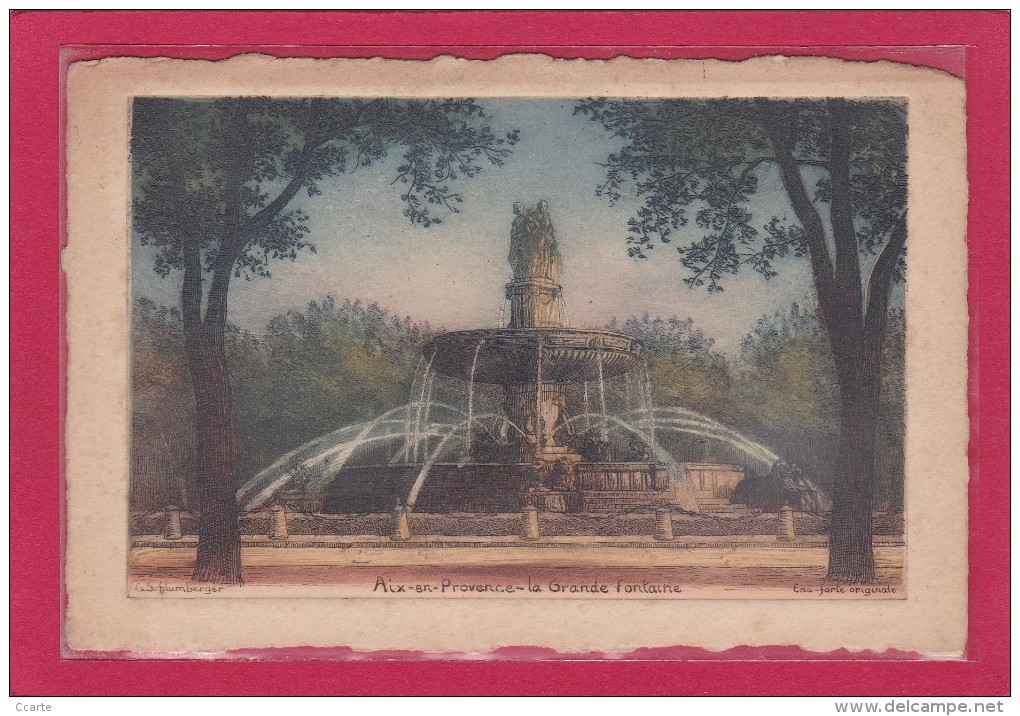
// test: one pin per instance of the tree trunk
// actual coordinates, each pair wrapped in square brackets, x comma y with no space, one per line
[219,539]
[851,555]
[855,325]
[217,468]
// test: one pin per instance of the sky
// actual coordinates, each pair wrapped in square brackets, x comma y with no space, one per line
[452,274]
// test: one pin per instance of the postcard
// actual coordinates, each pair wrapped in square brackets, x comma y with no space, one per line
[456,355]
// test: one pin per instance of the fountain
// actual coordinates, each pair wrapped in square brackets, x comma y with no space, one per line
[550,417]
[530,452]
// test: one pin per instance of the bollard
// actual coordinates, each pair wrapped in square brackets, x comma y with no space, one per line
[172,528]
[529,523]
[786,531]
[277,522]
[663,524]
[401,526]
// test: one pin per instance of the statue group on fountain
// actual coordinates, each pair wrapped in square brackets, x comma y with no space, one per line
[533,250]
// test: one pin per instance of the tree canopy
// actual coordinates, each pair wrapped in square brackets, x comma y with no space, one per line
[229,168]
[708,161]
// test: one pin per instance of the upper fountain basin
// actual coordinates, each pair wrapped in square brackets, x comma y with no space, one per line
[509,356]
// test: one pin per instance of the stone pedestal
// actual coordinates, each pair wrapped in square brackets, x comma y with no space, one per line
[535,303]
[529,523]
[172,528]
[663,524]
[786,531]
[401,526]
[278,522]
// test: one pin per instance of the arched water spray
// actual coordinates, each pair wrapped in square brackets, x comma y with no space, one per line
[336,465]
[689,421]
[471,400]
[407,421]
[686,418]
[302,454]
[337,447]
[427,415]
[646,398]
[263,485]
[602,390]
[709,433]
[587,404]
[421,401]
[419,481]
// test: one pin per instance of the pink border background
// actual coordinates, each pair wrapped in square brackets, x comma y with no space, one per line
[43,43]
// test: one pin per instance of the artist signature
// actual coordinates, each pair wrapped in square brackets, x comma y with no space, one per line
[164,588]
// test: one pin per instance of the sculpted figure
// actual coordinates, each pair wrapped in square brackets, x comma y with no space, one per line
[533,250]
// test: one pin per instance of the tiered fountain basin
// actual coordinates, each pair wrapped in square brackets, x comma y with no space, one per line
[510,356]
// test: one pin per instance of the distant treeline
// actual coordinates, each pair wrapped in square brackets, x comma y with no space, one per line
[342,362]
[335,363]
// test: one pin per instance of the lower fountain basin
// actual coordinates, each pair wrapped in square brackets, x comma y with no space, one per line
[498,488]
[509,356]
